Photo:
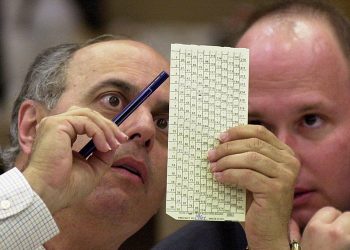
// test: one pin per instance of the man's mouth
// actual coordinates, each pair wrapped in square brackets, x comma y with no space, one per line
[302,196]
[130,169]
[132,166]
[297,195]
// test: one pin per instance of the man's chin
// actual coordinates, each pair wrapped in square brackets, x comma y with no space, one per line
[302,216]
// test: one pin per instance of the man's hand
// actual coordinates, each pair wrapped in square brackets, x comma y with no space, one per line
[60,175]
[328,229]
[253,158]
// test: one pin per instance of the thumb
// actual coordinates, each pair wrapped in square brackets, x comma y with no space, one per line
[249,200]
[294,231]
[101,161]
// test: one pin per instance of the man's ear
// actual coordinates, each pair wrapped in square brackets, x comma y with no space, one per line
[29,115]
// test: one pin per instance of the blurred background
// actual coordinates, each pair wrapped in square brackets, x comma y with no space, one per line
[27,27]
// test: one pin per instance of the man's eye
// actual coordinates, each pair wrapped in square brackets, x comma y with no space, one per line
[312,120]
[162,123]
[112,100]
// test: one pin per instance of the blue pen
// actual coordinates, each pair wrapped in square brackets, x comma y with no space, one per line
[139,99]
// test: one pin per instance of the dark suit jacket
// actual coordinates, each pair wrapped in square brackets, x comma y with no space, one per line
[206,236]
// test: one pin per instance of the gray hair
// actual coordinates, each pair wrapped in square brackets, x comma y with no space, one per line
[45,82]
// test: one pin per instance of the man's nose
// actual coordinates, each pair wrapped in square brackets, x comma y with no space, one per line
[290,138]
[285,136]
[140,127]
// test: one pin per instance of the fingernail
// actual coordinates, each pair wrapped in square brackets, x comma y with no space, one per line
[126,137]
[117,143]
[218,176]
[211,154]
[213,167]
[223,136]
[123,138]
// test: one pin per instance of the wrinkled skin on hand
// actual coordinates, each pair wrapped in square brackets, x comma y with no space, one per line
[329,228]
[57,173]
[253,158]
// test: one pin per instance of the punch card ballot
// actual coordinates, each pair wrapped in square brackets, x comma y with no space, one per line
[208,95]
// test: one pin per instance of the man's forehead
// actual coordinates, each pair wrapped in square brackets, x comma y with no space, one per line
[289,43]
[298,102]
[130,62]
[118,51]
[286,27]
[105,48]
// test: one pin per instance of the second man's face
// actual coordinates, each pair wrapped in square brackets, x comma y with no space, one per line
[300,90]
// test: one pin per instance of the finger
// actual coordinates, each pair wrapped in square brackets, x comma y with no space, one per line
[254,131]
[249,199]
[325,215]
[113,133]
[72,126]
[100,162]
[343,222]
[248,145]
[294,231]
[246,178]
[249,160]
[83,125]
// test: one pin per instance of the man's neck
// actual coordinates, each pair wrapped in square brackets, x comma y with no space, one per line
[79,232]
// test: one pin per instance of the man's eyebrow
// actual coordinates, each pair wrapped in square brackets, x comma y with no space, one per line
[127,88]
[256,115]
[311,107]
[161,107]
